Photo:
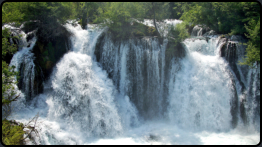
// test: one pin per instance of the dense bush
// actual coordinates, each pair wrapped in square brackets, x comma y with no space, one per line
[179,33]
[233,18]
[12,134]
[253,45]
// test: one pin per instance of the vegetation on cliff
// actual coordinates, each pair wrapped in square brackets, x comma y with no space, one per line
[233,18]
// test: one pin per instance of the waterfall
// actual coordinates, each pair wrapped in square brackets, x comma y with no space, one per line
[105,91]
[82,95]
[22,41]
[23,62]
[200,96]
[209,92]
[246,81]
[137,68]
[79,97]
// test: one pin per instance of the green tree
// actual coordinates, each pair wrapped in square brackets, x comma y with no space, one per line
[233,18]
[84,16]
[178,8]
[118,17]
[253,45]
[8,74]
[11,13]
[47,16]
[178,33]
[223,17]
[158,11]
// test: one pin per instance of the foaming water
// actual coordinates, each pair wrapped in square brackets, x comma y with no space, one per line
[163,26]
[82,105]
[83,97]
[200,96]
[23,61]
[79,101]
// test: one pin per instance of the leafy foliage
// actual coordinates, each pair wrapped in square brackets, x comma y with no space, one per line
[233,18]
[6,46]
[118,17]
[11,13]
[179,33]
[223,17]
[159,8]
[253,45]
[8,73]
[176,36]
[12,134]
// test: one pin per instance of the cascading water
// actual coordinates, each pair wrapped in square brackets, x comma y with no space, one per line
[137,68]
[141,98]
[80,97]
[23,61]
[200,92]
[247,81]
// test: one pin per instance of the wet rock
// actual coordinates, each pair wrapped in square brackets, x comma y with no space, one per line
[234,38]
[29,36]
[48,53]
[209,33]
[153,137]
[199,30]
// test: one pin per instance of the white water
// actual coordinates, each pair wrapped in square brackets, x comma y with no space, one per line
[136,67]
[200,96]
[81,105]
[163,26]
[79,100]
[23,59]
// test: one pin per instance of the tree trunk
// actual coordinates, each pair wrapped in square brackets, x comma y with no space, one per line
[158,34]
[84,16]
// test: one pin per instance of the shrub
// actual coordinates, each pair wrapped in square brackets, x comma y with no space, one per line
[178,33]
[12,134]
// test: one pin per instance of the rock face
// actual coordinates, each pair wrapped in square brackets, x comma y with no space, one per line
[139,68]
[244,80]
[48,53]
[229,52]
[199,30]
